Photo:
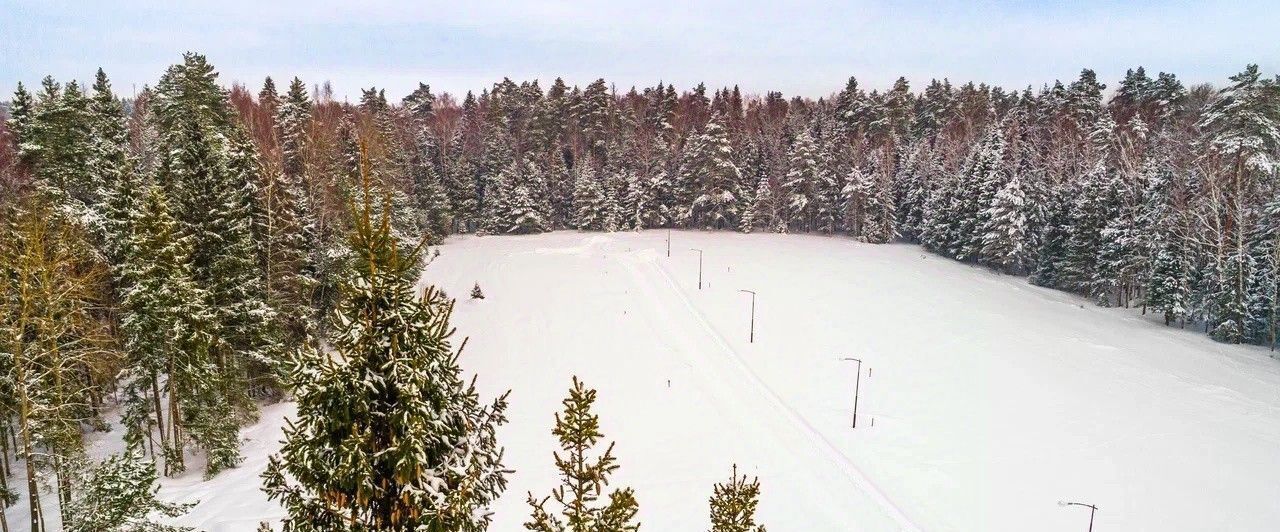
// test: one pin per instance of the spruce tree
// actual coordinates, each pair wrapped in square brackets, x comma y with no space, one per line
[119,495]
[712,177]
[1090,211]
[611,208]
[639,205]
[53,140]
[249,330]
[1051,257]
[1004,238]
[800,185]
[388,435]
[1231,314]
[764,208]
[524,215]
[1166,289]
[983,178]
[290,232]
[1263,300]
[584,476]
[910,190]
[747,222]
[733,505]
[108,158]
[167,335]
[589,202]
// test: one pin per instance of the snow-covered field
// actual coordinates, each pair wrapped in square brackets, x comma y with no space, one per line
[992,399]
[984,400]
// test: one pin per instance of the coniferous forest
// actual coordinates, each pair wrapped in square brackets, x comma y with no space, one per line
[197,249]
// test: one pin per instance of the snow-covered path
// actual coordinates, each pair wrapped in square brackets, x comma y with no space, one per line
[992,399]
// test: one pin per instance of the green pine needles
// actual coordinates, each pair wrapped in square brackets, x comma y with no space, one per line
[388,436]
[584,477]
[733,505]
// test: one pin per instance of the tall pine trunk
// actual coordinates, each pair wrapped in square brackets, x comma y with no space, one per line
[28,452]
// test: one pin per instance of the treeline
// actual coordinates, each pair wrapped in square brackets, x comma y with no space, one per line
[1158,196]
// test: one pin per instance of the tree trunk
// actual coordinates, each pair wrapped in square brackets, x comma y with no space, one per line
[4,520]
[160,428]
[5,467]
[28,456]
[176,439]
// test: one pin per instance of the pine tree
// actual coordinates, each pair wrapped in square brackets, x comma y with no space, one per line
[589,201]
[1004,237]
[1242,135]
[167,336]
[1092,208]
[712,178]
[476,293]
[108,159]
[290,234]
[119,494]
[52,140]
[388,435]
[1241,123]
[800,185]
[524,215]
[638,210]
[1166,290]
[733,505]
[984,177]
[249,330]
[747,222]
[583,477]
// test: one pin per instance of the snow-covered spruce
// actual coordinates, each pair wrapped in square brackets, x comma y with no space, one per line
[387,436]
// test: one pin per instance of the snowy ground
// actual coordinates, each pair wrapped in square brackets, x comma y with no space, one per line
[991,399]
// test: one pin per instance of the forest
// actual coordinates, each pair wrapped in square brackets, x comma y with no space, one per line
[193,250]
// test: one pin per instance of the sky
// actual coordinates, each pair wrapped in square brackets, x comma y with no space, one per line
[799,47]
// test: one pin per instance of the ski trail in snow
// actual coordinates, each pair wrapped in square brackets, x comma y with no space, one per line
[797,422]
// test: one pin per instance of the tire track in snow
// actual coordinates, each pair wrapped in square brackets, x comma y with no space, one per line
[797,421]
